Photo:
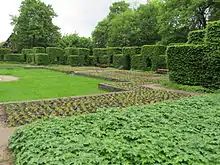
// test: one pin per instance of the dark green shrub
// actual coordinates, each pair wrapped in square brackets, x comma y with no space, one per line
[30,58]
[103,59]
[75,60]
[85,53]
[148,52]
[14,57]
[100,52]
[184,63]
[118,61]
[71,51]
[111,51]
[41,59]
[25,52]
[159,62]
[213,33]
[128,52]
[4,51]
[196,37]
[39,49]
[56,55]
[92,61]
[136,62]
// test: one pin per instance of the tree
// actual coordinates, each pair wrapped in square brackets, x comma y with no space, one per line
[34,26]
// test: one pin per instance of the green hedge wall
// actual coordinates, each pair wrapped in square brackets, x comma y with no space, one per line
[184,62]
[128,52]
[39,50]
[25,52]
[111,51]
[85,53]
[4,51]
[118,61]
[213,33]
[148,52]
[14,57]
[100,52]
[136,62]
[159,62]
[103,59]
[196,37]
[92,61]
[41,59]
[75,60]
[71,51]
[30,58]
[56,55]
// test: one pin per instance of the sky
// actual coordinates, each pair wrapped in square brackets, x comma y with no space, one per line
[79,16]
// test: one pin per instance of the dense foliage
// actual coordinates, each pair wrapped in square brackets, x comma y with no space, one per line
[180,132]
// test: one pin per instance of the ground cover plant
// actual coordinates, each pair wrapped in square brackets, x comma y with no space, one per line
[178,132]
[41,84]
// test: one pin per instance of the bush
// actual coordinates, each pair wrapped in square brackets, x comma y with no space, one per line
[159,62]
[25,52]
[30,58]
[100,52]
[128,52]
[56,55]
[136,62]
[14,57]
[71,51]
[103,59]
[111,51]
[41,59]
[4,51]
[75,60]
[84,52]
[213,33]
[184,63]
[118,61]
[92,61]
[39,49]
[196,37]
[148,52]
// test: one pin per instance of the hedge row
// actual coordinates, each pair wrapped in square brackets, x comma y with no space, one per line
[14,57]
[4,51]
[196,37]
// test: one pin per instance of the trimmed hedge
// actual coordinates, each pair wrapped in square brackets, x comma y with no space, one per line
[4,51]
[92,61]
[30,58]
[100,52]
[148,52]
[213,33]
[118,61]
[41,59]
[56,55]
[128,52]
[71,51]
[39,50]
[25,52]
[111,51]
[103,59]
[159,62]
[14,57]
[196,37]
[75,60]
[136,62]
[84,52]
[184,62]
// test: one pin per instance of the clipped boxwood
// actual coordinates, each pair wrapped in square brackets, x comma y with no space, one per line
[136,62]
[14,57]
[56,55]
[148,52]
[159,62]
[196,37]
[41,59]
[4,51]
[30,58]
[75,60]
[184,63]
[118,61]
[39,49]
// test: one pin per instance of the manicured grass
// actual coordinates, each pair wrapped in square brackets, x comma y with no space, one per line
[42,84]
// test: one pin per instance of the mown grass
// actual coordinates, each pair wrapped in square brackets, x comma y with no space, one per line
[42,84]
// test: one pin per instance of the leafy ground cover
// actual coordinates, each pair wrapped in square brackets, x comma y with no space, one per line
[41,84]
[173,132]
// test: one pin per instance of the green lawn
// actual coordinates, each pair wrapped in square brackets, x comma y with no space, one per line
[42,84]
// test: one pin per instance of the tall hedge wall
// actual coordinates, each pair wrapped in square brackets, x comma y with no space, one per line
[56,55]
[39,50]
[14,57]
[148,52]
[128,52]
[4,51]
[118,61]
[111,51]
[75,60]
[30,58]
[136,62]
[196,37]
[159,62]
[71,51]
[212,35]
[41,59]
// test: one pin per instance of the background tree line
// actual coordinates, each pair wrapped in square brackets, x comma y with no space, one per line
[158,21]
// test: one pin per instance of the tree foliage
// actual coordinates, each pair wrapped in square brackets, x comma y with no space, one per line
[34,26]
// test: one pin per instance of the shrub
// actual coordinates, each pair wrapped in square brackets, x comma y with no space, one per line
[41,59]
[39,49]
[25,52]
[196,37]
[111,51]
[128,52]
[4,51]
[184,63]
[14,57]
[56,55]
[103,59]
[84,52]
[148,52]
[136,62]
[92,61]
[30,58]
[75,60]
[118,61]
[71,51]
[159,62]
[213,33]
[100,52]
